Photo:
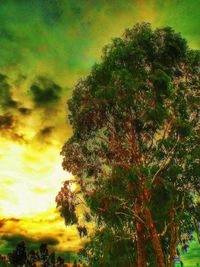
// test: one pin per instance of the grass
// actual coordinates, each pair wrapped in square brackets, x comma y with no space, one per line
[192,257]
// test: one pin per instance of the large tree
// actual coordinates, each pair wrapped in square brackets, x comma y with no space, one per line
[134,148]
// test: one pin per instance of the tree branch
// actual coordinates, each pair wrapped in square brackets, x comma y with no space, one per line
[166,162]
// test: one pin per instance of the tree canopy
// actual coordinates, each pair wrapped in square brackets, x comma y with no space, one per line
[134,148]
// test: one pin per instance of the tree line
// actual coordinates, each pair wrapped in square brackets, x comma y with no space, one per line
[23,257]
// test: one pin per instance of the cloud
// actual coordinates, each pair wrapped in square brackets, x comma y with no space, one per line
[6,121]
[5,93]
[24,111]
[64,37]
[44,228]
[46,135]
[14,239]
[37,101]
[46,131]
[49,240]
[8,128]
[45,91]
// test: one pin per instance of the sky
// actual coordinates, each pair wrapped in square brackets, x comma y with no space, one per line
[46,46]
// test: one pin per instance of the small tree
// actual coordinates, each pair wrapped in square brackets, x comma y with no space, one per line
[18,257]
[3,261]
[134,144]
[52,259]
[75,264]
[60,262]
[32,258]
[44,254]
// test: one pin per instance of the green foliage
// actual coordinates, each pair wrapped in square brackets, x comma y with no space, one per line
[134,120]
[161,82]
[110,248]
[183,128]
[66,203]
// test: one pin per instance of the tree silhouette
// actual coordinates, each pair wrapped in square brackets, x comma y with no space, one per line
[32,257]
[60,262]
[52,259]
[18,257]
[75,264]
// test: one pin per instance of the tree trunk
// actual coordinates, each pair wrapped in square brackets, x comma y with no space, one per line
[154,237]
[173,238]
[141,259]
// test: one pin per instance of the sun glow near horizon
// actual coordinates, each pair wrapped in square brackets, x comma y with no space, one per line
[33,185]
[30,178]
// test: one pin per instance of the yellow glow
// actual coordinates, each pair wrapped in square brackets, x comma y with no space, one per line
[31,173]
[47,225]
[31,176]
[35,175]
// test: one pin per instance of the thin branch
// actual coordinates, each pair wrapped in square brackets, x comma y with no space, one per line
[164,230]
[167,161]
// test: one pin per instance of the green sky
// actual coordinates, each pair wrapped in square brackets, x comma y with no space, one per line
[45,47]
[65,37]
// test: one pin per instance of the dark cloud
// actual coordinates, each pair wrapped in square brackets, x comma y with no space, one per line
[6,34]
[18,138]
[8,243]
[8,127]
[44,135]
[50,241]
[45,91]
[13,220]
[46,131]
[6,121]
[5,93]
[24,111]
[2,222]
[52,11]
[13,240]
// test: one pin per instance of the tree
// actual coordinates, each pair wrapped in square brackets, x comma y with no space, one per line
[44,254]
[67,202]
[3,261]
[52,259]
[18,257]
[134,144]
[75,263]
[32,258]
[60,262]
